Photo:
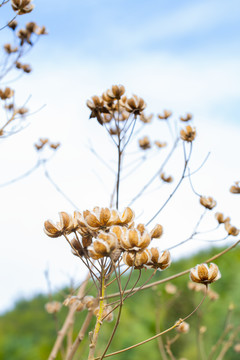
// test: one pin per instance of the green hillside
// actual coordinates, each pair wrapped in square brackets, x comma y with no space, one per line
[28,332]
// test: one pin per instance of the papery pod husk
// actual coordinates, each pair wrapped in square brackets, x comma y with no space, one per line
[51,229]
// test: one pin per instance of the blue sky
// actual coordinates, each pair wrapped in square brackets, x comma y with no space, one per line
[178,55]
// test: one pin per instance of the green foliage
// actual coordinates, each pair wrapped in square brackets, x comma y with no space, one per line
[28,332]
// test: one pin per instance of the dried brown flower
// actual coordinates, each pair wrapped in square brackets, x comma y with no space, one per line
[107,313]
[24,36]
[205,275]
[22,6]
[165,178]
[208,202]
[235,189]
[31,27]
[144,143]
[237,348]
[22,111]
[188,117]
[41,31]
[165,116]
[188,134]
[78,304]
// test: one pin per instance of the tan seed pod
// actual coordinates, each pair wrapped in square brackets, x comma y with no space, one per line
[167,179]
[188,134]
[235,189]
[134,104]
[205,275]
[165,116]
[187,117]
[160,144]
[144,143]
[208,202]
[156,232]
[159,260]
[53,307]
[13,24]
[146,119]
[116,92]
[231,230]
[170,289]
[183,328]
[22,6]
[220,218]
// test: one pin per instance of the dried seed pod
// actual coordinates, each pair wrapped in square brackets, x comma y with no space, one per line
[134,105]
[6,94]
[231,230]
[205,275]
[132,239]
[208,202]
[9,50]
[188,117]
[144,143]
[165,178]
[136,259]
[183,328]
[54,146]
[160,144]
[165,116]
[188,134]
[97,106]
[78,304]
[116,92]
[156,232]
[220,218]
[159,260]
[146,119]
[53,307]
[64,226]
[13,24]
[22,6]
[103,245]
[235,189]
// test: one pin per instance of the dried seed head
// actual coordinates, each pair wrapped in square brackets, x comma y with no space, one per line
[22,111]
[97,107]
[205,275]
[26,68]
[183,328]
[13,24]
[208,202]
[116,92]
[220,218]
[31,27]
[53,307]
[144,143]
[213,296]
[165,116]
[160,144]
[186,118]
[107,313]
[9,50]
[90,302]
[134,105]
[159,260]
[132,239]
[146,119]
[202,329]
[165,178]
[235,189]
[64,226]
[170,288]
[54,146]
[136,259]
[188,134]
[103,245]
[22,6]
[231,230]
[41,31]
[78,304]
[196,287]
[6,94]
